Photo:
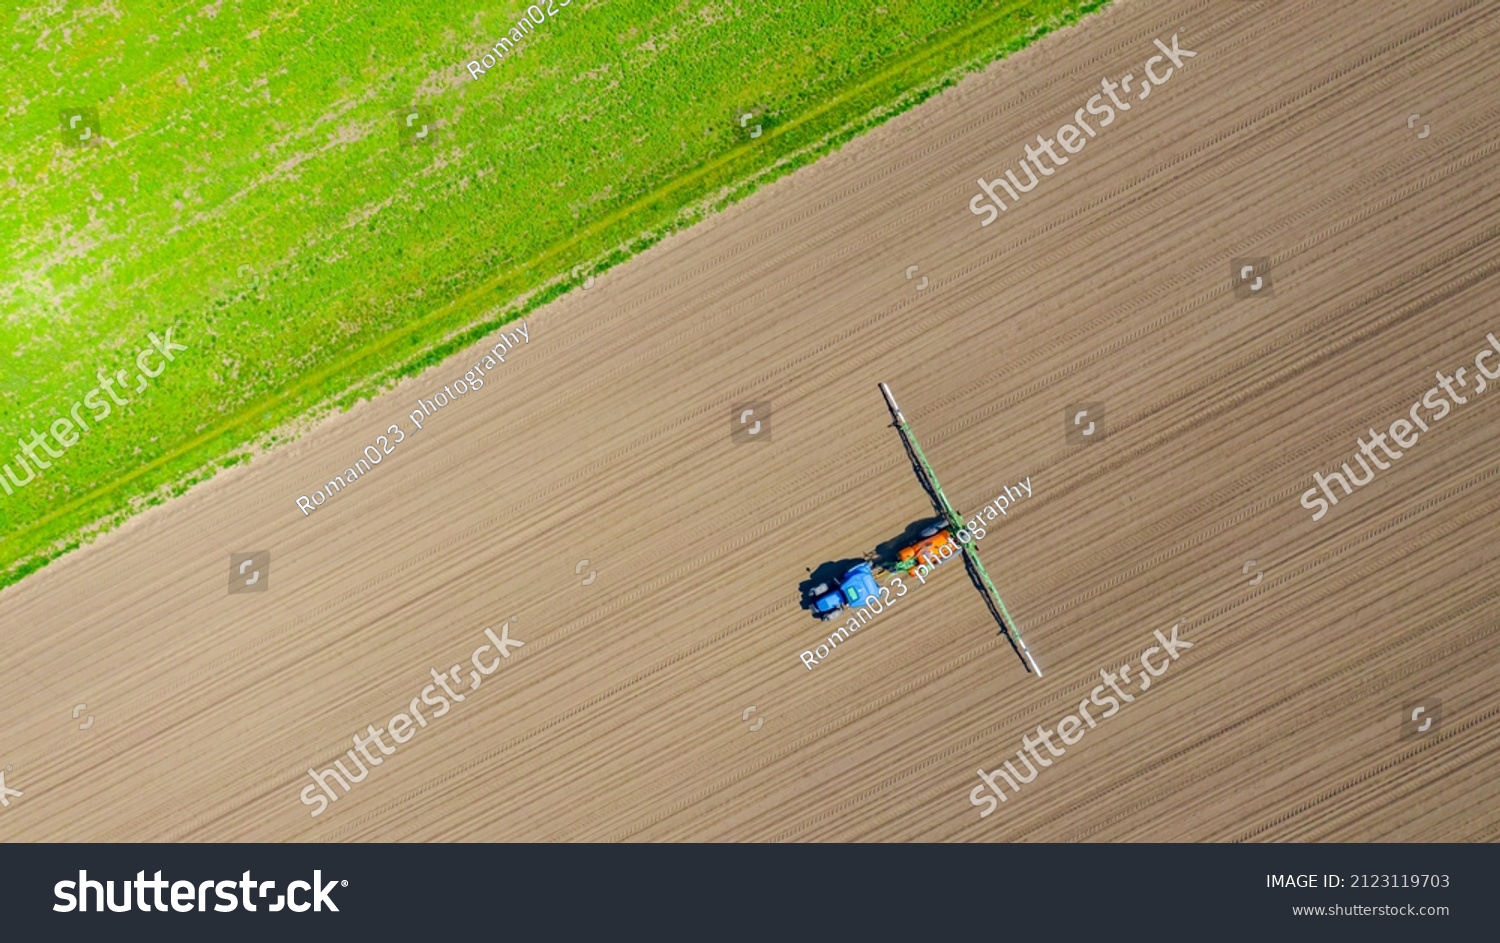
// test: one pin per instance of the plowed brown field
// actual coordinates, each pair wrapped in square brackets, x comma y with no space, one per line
[607,438]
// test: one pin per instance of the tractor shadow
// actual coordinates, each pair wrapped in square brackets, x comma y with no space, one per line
[828,573]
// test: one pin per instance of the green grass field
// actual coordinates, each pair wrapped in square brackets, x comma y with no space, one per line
[248,188]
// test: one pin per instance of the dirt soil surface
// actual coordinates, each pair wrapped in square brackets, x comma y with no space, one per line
[611,438]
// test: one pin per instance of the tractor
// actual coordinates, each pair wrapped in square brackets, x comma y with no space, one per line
[854,588]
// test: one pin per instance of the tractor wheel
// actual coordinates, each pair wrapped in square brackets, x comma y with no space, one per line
[931,530]
[818,590]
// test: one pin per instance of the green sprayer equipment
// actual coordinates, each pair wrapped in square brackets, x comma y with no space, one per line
[956,526]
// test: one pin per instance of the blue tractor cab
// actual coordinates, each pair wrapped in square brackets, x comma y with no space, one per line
[855,588]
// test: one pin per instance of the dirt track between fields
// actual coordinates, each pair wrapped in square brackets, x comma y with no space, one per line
[607,438]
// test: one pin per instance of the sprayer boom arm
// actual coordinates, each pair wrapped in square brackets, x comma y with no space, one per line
[924,469]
